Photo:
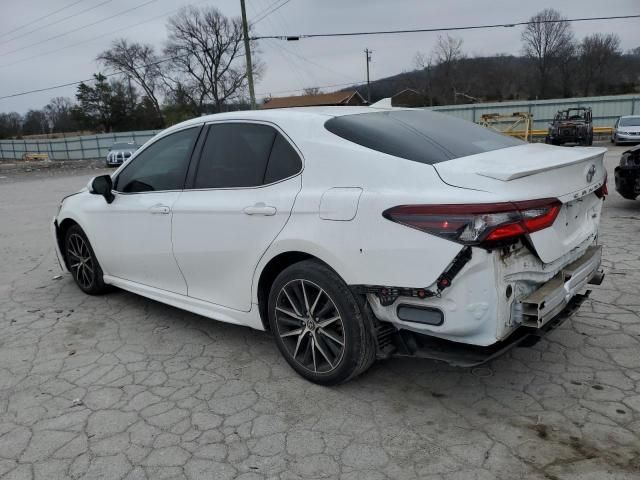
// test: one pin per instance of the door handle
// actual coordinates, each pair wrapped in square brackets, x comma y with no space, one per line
[260,209]
[160,209]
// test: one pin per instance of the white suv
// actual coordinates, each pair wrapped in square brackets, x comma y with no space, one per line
[349,232]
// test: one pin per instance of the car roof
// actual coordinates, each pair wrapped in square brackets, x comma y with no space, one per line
[281,114]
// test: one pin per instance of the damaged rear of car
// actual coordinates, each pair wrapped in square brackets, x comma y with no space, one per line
[525,218]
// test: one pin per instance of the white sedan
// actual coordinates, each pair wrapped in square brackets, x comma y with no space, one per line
[350,233]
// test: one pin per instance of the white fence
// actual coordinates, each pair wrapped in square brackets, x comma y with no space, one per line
[87,147]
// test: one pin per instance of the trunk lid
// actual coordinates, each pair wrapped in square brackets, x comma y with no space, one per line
[534,171]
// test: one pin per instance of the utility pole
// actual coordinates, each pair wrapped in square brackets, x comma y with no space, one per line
[368,53]
[247,51]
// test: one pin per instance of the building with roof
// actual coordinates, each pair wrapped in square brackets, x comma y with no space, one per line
[345,97]
[408,98]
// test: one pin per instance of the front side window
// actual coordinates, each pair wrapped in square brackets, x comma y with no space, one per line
[161,166]
[237,155]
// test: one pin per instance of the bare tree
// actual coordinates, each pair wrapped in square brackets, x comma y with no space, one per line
[597,53]
[58,113]
[424,63]
[34,123]
[206,50]
[139,63]
[567,65]
[311,91]
[544,41]
[447,54]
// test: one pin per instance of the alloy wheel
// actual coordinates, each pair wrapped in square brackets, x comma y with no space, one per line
[310,326]
[80,260]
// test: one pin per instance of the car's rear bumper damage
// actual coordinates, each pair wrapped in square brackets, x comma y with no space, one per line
[545,303]
[405,343]
[441,326]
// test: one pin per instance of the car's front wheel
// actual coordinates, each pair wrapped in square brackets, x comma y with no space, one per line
[320,327]
[82,262]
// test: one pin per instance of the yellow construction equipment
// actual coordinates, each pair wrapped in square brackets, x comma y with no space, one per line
[517,124]
[34,157]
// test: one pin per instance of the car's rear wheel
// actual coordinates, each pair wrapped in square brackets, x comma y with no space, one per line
[82,262]
[320,327]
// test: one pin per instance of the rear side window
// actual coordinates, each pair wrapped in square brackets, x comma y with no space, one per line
[419,135]
[235,155]
[284,161]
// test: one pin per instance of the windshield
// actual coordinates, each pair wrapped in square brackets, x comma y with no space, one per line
[419,135]
[630,122]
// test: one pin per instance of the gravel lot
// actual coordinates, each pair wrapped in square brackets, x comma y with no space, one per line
[118,386]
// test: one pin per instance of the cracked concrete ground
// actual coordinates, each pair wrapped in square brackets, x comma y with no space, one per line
[120,387]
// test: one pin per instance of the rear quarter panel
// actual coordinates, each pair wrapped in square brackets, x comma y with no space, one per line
[368,249]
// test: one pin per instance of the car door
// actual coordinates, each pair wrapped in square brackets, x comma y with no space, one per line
[239,199]
[133,235]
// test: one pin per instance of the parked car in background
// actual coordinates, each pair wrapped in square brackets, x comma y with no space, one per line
[351,233]
[628,174]
[626,130]
[119,153]
[573,125]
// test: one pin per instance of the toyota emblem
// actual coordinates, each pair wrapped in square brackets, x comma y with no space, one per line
[590,173]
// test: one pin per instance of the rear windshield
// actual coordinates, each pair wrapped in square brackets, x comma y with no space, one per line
[630,122]
[419,135]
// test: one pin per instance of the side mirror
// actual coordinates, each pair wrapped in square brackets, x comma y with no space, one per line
[103,185]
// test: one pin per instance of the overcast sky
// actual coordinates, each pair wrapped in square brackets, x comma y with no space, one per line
[31,59]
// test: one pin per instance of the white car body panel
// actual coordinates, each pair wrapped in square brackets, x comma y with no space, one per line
[206,254]
[559,172]
[219,236]
[139,249]
[190,304]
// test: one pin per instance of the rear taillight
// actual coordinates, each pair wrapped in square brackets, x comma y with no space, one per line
[603,191]
[476,224]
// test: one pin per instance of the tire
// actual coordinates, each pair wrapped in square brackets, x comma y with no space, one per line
[336,342]
[82,262]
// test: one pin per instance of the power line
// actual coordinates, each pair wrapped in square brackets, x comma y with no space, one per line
[444,29]
[24,34]
[267,8]
[270,12]
[78,82]
[119,72]
[81,27]
[84,42]
[311,62]
[111,74]
[40,18]
[324,35]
